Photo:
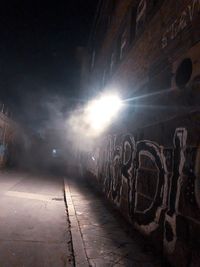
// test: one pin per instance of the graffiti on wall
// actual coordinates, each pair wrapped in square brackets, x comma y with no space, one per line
[180,23]
[145,180]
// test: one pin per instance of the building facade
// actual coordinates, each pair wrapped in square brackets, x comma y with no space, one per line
[7,132]
[148,164]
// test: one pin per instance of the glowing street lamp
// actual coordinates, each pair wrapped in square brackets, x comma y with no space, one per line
[100,112]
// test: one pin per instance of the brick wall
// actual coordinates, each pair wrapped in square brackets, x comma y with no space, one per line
[148,165]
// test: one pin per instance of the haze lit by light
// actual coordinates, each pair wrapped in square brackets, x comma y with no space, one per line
[100,112]
[93,118]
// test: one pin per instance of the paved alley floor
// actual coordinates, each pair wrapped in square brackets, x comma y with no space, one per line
[34,230]
[98,237]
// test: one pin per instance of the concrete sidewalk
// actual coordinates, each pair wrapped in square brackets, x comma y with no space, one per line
[34,230]
[98,238]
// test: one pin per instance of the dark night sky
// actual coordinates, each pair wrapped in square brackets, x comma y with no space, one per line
[37,51]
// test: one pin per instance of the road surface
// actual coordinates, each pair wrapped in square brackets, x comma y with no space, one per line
[34,230]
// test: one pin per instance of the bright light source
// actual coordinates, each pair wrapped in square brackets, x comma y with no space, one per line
[54,153]
[100,112]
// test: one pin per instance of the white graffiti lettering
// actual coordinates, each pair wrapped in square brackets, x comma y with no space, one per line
[186,17]
[146,175]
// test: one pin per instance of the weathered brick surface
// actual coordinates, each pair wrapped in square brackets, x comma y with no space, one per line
[156,185]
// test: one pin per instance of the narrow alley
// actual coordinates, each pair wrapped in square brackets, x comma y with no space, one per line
[100,133]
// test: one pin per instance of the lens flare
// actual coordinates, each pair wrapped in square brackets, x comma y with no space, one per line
[100,112]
